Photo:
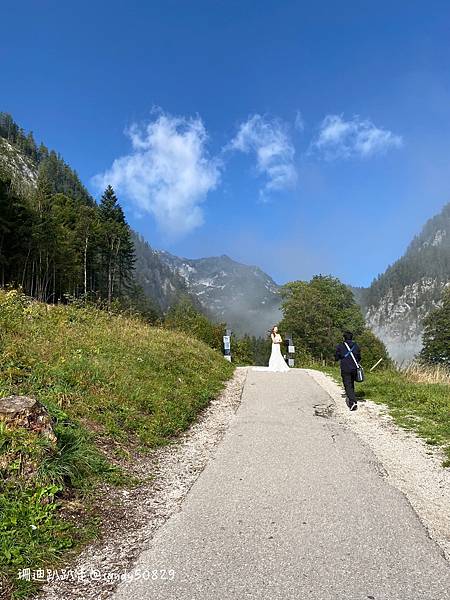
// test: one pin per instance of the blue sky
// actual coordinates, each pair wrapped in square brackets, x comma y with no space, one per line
[304,139]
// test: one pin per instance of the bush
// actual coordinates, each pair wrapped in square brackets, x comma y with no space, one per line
[184,317]
[372,349]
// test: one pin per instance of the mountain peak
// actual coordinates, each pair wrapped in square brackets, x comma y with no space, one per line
[240,295]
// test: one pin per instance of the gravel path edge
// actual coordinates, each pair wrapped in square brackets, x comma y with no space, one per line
[411,465]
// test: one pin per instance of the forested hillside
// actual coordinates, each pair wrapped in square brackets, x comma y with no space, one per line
[21,160]
[427,257]
[55,241]
[398,301]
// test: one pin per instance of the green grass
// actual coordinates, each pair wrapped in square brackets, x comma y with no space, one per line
[108,381]
[420,407]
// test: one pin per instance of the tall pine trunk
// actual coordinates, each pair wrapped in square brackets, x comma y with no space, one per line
[85,264]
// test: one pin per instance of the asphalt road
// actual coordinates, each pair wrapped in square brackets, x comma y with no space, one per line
[292,507]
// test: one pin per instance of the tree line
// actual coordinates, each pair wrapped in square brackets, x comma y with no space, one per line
[56,242]
[61,178]
[55,247]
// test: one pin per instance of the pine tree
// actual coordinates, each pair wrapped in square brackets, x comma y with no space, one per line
[117,245]
[43,240]
[57,242]
[436,337]
[15,229]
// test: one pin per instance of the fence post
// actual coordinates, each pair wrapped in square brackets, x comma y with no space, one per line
[227,345]
[290,349]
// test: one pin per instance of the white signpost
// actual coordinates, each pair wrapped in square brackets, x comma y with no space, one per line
[227,345]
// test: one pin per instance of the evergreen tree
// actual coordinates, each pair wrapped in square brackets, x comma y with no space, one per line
[15,232]
[243,351]
[261,350]
[436,337]
[57,243]
[136,301]
[44,241]
[117,245]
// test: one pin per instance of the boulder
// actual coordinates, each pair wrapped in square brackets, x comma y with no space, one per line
[22,411]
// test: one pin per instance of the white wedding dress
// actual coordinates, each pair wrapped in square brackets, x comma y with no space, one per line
[276,361]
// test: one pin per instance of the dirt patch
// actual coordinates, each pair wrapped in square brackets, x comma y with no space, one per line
[132,516]
[411,465]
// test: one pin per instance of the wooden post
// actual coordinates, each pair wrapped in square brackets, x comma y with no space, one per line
[376,364]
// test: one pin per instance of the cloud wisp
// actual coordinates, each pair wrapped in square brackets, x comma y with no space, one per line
[168,172]
[357,137]
[270,141]
[299,122]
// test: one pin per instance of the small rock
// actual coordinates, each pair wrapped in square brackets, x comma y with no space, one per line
[22,411]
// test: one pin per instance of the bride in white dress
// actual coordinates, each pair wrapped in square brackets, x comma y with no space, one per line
[276,361]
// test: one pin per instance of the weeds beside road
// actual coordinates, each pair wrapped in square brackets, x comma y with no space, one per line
[418,399]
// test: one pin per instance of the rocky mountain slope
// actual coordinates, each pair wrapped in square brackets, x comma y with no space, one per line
[15,165]
[397,301]
[242,296]
[160,283]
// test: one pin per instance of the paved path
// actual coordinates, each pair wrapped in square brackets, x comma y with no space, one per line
[292,507]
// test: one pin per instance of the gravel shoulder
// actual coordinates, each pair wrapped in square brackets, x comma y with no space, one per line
[411,465]
[133,516]
[135,529]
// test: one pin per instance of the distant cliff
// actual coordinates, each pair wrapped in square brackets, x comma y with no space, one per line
[399,299]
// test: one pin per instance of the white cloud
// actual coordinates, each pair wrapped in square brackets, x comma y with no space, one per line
[338,138]
[168,173]
[269,140]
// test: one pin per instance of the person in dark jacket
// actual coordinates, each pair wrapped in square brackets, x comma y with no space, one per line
[348,367]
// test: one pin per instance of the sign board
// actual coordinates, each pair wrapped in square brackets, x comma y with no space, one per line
[291,349]
[226,342]
[291,362]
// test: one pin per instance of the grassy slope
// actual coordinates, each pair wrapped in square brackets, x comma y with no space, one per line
[106,380]
[422,407]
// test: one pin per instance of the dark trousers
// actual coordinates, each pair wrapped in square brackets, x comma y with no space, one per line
[348,379]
